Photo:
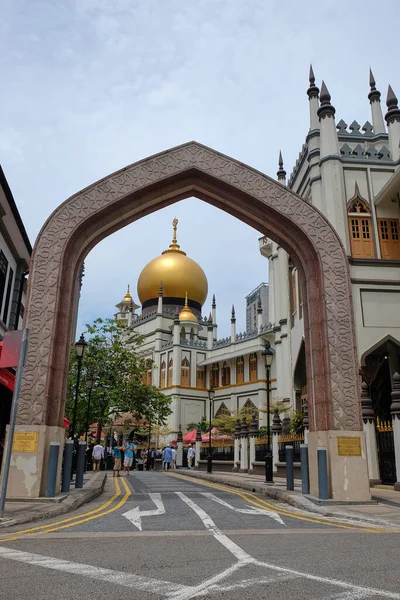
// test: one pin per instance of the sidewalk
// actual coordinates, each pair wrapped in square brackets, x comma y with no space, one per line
[384,509]
[26,511]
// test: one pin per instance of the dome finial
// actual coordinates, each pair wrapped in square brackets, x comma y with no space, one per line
[186,314]
[174,225]
[281,173]
[326,109]
[186,300]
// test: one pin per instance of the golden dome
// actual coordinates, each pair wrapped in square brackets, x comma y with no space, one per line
[127,297]
[176,272]
[186,314]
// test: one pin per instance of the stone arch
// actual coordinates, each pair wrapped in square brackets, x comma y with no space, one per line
[192,169]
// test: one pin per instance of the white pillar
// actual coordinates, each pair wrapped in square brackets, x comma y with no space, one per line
[210,333]
[395,410]
[253,432]
[236,447]
[276,431]
[368,416]
[244,457]
[179,451]
[197,448]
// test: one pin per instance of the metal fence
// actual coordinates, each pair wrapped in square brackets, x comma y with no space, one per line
[218,452]
[290,440]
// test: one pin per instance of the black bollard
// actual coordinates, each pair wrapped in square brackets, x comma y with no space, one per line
[289,469]
[50,490]
[67,467]
[305,473]
[80,464]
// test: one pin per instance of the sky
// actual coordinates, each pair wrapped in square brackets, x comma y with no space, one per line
[91,86]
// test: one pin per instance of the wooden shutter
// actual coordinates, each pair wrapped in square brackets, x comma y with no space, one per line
[389,238]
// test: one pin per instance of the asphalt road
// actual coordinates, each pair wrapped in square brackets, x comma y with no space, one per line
[156,536]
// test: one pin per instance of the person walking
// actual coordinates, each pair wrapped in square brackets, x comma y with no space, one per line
[117,459]
[97,456]
[190,456]
[128,456]
[173,452]
[167,458]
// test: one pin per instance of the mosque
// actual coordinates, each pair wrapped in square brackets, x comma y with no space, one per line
[187,355]
[351,174]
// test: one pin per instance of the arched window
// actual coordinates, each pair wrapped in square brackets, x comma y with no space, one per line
[192,334]
[226,374]
[170,369]
[163,371]
[360,229]
[183,334]
[200,378]
[239,369]
[185,372]
[253,367]
[147,376]
[215,375]
[222,410]
[249,408]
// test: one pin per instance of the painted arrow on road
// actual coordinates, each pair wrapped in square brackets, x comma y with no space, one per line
[252,510]
[135,515]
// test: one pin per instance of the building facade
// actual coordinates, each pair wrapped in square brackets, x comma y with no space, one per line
[15,253]
[351,174]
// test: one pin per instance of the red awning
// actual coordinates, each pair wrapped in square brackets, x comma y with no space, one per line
[6,377]
[190,437]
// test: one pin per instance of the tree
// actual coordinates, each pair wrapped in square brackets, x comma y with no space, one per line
[204,425]
[112,357]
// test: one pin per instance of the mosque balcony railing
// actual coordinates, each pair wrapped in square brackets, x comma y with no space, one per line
[194,343]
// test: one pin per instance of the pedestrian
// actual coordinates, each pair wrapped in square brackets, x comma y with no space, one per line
[173,452]
[153,455]
[128,456]
[117,459]
[190,456]
[97,455]
[167,458]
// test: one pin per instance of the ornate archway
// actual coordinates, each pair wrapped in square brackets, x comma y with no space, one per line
[83,220]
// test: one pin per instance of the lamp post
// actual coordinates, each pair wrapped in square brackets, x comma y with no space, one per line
[148,448]
[268,354]
[90,381]
[80,348]
[211,394]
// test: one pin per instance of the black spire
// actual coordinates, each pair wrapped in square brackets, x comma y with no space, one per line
[326,109]
[312,91]
[393,113]
[281,173]
[233,317]
[374,95]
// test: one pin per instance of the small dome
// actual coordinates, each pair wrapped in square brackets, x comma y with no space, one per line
[178,274]
[186,314]
[127,298]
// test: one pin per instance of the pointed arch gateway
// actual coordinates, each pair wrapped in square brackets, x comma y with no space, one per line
[121,198]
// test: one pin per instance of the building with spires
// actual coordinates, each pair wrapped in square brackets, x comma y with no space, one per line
[351,174]
[187,356]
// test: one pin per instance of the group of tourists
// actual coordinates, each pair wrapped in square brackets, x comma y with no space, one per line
[124,453]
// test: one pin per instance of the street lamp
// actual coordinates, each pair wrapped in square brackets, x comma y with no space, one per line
[90,381]
[268,354]
[80,348]
[211,394]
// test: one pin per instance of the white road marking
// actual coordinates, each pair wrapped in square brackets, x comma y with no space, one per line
[128,580]
[209,524]
[252,510]
[245,583]
[351,587]
[135,515]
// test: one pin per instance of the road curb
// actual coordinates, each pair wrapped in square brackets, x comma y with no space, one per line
[75,499]
[296,500]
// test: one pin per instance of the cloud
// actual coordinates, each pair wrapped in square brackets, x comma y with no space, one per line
[90,86]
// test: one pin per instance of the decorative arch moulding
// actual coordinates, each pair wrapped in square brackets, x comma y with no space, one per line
[192,169]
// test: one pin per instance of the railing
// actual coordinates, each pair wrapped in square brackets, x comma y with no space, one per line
[261,450]
[289,440]
[383,425]
[220,452]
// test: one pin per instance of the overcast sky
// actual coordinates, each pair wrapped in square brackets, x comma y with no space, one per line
[90,86]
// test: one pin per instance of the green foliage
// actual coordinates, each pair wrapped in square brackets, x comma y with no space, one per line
[296,423]
[204,425]
[112,358]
